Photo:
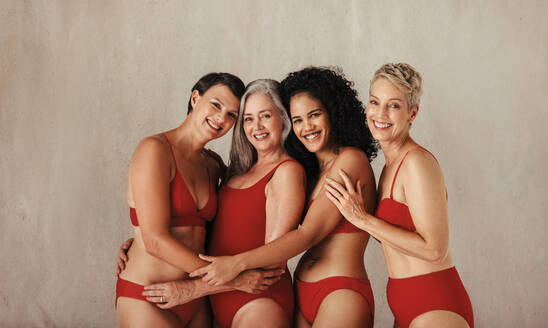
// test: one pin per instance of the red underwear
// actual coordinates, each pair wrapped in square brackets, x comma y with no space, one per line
[441,290]
[225,305]
[125,288]
[311,294]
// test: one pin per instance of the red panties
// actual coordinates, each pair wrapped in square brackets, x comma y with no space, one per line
[442,290]
[125,288]
[225,305]
[311,294]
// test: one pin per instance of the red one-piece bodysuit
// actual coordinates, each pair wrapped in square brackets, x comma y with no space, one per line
[240,226]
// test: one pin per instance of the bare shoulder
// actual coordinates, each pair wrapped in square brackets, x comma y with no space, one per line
[152,158]
[421,160]
[421,167]
[289,172]
[352,155]
[151,147]
[351,159]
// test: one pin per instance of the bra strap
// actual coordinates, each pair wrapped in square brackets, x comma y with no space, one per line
[396,175]
[171,150]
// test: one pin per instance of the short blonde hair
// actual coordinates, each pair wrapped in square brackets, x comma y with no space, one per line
[405,77]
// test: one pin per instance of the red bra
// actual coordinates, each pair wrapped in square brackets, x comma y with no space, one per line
[394,212]
[184,210]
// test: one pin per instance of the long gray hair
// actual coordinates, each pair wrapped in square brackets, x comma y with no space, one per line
[242,153]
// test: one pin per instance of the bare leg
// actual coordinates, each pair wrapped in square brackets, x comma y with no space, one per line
[300,321]
[439,318]
[261,312]
[344,305]
[202,318]
[133,313]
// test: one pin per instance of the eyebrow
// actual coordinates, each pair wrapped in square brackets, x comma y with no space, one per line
[309,112]
[216,99]
[260,112]
[388,99]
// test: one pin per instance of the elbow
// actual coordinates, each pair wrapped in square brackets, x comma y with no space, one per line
[151,244]
[436,255]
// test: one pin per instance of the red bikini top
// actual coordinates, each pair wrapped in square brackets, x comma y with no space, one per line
[344,226]
[394,212]
[184,210]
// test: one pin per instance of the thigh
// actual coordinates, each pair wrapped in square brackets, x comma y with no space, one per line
[202,318]
[343,305]
[261,312]
[300,321]
[439,318]
[136,313]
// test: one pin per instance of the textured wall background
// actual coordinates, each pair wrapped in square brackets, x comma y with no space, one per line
[81,82]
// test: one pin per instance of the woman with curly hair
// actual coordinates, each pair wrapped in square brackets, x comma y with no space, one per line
[411,221]
[329,136]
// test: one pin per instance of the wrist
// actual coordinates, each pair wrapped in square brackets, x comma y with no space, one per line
[199,289]
[368,221]
[240,263]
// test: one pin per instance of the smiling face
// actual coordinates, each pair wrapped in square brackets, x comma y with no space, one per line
[262,122]
[310,121]
[388,114]
[215,111]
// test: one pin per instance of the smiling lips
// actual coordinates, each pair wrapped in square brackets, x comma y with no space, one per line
[261,136]
[381,125]
[312,136]
[213,125]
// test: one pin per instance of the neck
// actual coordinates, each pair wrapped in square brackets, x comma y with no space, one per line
[186,140]
[393,149]
[325,158]
[270,155]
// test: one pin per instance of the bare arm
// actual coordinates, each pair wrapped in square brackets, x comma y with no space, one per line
[426,198]
[285,197]
[169,294]
[149,174]
[321,218]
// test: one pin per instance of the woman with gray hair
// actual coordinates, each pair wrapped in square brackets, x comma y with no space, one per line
[261,199]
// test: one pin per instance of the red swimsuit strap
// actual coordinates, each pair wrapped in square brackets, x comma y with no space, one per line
[396,175]
[175,161]
[171,150]
[399,166]
[271,173]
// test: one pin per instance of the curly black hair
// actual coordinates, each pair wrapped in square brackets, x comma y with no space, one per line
[345,111]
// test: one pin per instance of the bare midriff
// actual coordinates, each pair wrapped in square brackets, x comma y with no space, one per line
[400,265]
[143,268]
[337,255]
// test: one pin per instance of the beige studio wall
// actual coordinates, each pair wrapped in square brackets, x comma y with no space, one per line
[81,82]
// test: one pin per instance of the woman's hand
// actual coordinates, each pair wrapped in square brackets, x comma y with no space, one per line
[122,256]
[221,270]
[169,294]
[256,281]
[349,200]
